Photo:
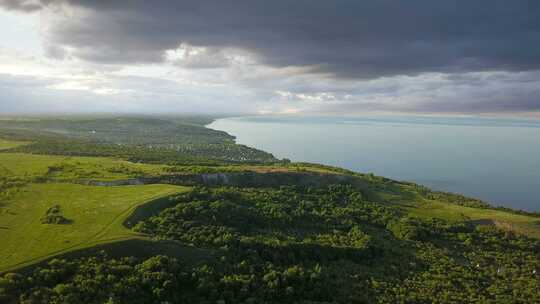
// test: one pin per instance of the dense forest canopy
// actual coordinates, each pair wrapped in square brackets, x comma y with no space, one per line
[298,245]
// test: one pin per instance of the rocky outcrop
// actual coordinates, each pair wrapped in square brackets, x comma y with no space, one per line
[239,179]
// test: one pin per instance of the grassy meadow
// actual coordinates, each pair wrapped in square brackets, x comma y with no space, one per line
[95,215]
[9,144]
[58,168]
[523,224]
[414,204]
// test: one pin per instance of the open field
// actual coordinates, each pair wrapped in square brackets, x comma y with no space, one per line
[95,216]
[8,144]
[524,224]
[69,168]
[66,168]
[413,203]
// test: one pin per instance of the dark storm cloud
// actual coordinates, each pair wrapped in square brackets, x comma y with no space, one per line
[349,39]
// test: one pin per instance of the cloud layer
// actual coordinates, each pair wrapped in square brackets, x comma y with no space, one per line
[418,55]
[359,39]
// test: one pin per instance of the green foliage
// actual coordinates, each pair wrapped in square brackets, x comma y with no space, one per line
[406,229]
[302,215]
[54,216]
[20,168]
[374,240]
[298,245]
[138,139]
[10,144]
[461,200]
[471,266]
[95,216]
[97,280]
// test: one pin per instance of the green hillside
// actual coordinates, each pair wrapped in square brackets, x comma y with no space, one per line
[219,228]
[93,215]
[149,139]
[9,144]
[55,167]
[519,223]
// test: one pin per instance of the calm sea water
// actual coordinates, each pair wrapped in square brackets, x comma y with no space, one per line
[497,160]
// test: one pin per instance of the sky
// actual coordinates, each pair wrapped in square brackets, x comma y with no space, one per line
[270,57]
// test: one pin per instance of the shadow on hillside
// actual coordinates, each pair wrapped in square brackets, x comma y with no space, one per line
[294,253]
[482,222]
[139,248]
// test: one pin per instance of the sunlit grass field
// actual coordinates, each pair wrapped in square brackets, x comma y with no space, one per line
[524,224]
[96,215]
[66,168]
[9,144]
[414,204]
[69,168]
